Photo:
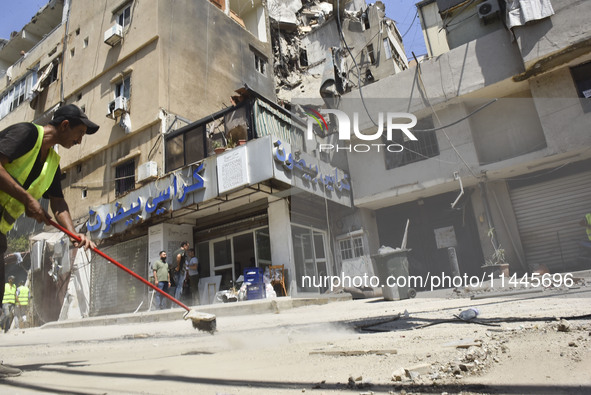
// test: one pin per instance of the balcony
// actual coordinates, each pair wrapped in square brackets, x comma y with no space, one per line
[253,117]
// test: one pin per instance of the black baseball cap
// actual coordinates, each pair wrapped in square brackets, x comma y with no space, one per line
[70,111]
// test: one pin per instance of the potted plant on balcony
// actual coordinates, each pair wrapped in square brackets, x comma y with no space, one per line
[496,264]
[218,148]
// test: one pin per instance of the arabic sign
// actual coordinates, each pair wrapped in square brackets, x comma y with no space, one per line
[310,174]
[159,197]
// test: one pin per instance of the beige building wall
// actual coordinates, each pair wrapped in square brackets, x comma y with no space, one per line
[182,58]
[434,36]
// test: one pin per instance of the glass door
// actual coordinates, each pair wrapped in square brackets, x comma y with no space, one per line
[309,247]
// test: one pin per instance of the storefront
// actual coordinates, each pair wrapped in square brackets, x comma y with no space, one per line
[256,205]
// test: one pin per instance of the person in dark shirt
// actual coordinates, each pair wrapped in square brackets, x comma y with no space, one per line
[29,169]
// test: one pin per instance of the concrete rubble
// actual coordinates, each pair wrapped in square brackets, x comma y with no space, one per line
[310,55]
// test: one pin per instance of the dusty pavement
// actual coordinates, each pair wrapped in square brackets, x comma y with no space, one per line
[357,346]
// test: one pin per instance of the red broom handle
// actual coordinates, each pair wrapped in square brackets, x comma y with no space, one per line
[120,266]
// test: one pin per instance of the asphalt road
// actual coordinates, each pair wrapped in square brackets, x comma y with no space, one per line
[342,347]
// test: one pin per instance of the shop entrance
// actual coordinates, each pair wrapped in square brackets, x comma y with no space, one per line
[309,250]
[228,256]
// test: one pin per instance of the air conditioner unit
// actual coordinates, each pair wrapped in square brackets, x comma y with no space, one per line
[114,35]
[488,9]
[147,171]
[117,107]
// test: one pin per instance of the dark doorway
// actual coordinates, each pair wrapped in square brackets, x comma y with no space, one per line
[428,216]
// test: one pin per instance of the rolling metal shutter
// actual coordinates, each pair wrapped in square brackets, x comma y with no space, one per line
[548,215]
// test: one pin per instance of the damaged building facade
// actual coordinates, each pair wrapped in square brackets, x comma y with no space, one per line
[151,178]
[499,171]
[500,162]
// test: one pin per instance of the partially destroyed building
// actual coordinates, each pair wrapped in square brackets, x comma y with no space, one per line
[499,171]
[169,84]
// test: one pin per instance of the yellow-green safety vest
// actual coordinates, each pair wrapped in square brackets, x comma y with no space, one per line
[9,293]
[19,169]
[23,295]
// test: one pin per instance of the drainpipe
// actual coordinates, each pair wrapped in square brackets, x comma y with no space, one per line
[65,47]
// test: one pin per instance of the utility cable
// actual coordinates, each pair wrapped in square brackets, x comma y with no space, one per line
[419,74]
[410,27]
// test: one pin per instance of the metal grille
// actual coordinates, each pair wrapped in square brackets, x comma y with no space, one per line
[124,177]
[112,290]
[425,147]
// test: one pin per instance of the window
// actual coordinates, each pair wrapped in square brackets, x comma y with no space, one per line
[72,52]
[412,151]
[85,42]
[371,58]
[260,63]
[387,48]
[124,16]
[123,88]
[185,148]
[124,177]
[22,90]
[582,77]
[351,247]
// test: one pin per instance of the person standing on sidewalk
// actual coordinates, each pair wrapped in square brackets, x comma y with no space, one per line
[8,302]
[180,270]
[23,296]
[29,170]
[193,267]
[161,279]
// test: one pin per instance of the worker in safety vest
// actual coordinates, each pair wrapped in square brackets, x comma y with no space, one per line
[23,296]
[29,170]
[8,302]
[586,222]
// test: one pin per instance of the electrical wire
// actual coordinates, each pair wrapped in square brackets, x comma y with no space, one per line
[455,122]
[410,27]
[420,78]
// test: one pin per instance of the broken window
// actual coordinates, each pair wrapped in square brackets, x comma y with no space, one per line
[123,88]
[412,150]
[582,77]
[303,57]
[387,48]
[365,20]
[371,58]
[124,177]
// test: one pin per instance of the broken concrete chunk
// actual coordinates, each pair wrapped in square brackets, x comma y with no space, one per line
[399,374]
[563,326]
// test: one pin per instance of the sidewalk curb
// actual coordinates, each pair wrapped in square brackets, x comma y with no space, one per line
[275,305]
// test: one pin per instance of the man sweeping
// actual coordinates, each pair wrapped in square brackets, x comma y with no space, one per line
[29,170]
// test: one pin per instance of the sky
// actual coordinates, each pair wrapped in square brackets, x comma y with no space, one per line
[404,13]
[16,13]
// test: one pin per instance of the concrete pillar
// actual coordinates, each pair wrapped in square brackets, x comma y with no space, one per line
[281,242]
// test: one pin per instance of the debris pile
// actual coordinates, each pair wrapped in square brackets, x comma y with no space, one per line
[316,46]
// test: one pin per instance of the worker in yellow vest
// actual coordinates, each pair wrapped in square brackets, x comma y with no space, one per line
[23,296]
[586,244]
[8,302]
[29,170]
